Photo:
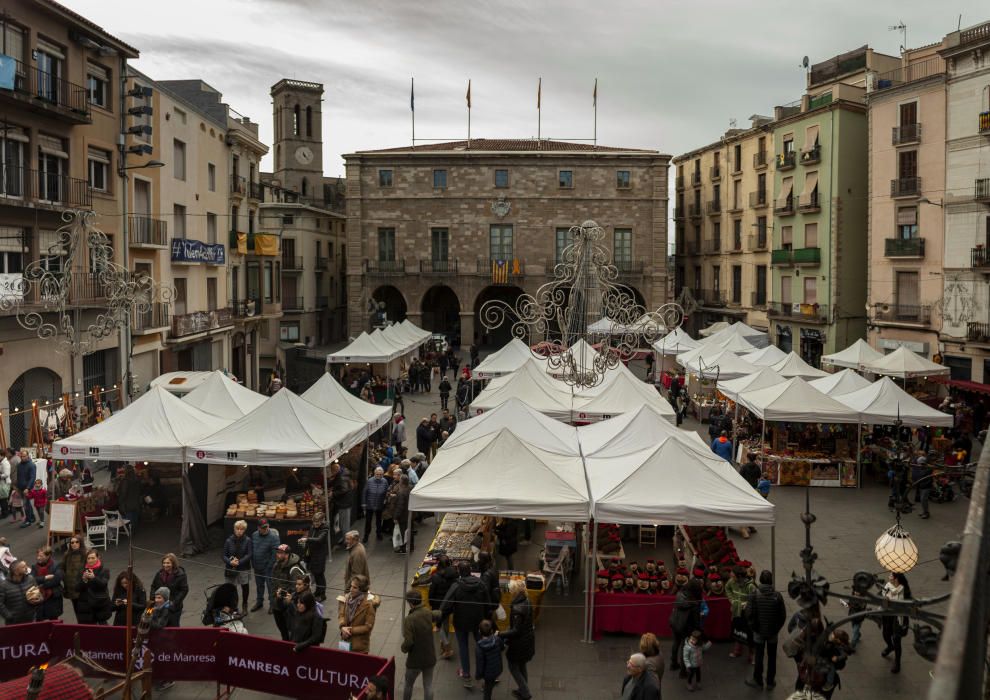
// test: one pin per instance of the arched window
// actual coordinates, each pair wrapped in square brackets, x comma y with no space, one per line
[309,121]
[295,120]
[305,187]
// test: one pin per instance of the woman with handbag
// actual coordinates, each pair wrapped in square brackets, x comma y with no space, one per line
[356,615]
[893,628]
[19,595]
[95,607]
[49,578]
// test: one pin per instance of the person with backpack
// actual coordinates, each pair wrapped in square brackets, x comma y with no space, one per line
[417,645]
[766,614]
[237,552]
[173,577]
[442,579]
[356,615]
[469,603]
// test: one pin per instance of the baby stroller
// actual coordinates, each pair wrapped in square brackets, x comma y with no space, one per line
[221,608]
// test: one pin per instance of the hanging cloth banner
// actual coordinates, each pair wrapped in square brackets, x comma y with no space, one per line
[265,244]
[241,243]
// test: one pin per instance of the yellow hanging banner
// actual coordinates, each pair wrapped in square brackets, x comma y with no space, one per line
[241,243]
[265,244]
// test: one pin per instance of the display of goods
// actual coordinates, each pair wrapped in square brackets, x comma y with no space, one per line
[714,547]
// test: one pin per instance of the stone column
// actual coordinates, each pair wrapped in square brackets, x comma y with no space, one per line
[467,329]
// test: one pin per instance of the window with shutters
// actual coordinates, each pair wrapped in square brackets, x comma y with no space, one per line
[179,220]
[180,295]
[98,85]
[716,278]
[211,294]
[907,222]
[785,291]
[562,239]
[810,290]
[622,248]
[908,114]
[761,285]
[386,244]
[211,228]
[178,159]
[907,164]
[906,291]
[211,177]
[99,169]
[737,284]
[811,235]
[786,237]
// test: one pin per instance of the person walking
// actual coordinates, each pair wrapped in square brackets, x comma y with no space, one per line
[139,599]
[38,495]
[488,657]
[723,447]
[488,573]
[5,484]
[893,628]
[694,651]
[520,638]
[766,614]
[343,499]
[417,645]
[356,615]
[129,497]
[649,646]
[639,683]
[738,590]
[357,558]
[424,436]
[316,549]
[307,627]
[468,602]
[26,474]
[444,388]
[73,562]
[94,596]
[400,514]
[375,490]
[237,561]
[264,542]
[442,579]
[48,575]
[921,475]
[685,618]
[398,430]
[17,604]
[174,578]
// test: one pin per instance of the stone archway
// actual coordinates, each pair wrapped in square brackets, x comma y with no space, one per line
[637,295]
[496,337]
[37,384]
[389,306]
[442,311]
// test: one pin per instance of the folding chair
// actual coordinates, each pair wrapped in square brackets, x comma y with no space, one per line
[116,523]
[559,568]
[647,535]
[96,532]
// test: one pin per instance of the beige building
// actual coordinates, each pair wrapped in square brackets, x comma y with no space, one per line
[907,176]
[435,231]
[723,217]
[61,119]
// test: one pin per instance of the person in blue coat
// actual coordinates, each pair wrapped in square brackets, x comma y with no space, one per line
[375,491]
[722,446]
[237,552]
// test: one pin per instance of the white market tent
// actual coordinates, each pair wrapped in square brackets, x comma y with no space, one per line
[764,377]
[724,364]
[606,326]
[853,357]
[285,431]
[222,396]
[329,395]
[632,432]
[756,338]
[884,403]
[767,357]
[531,385]
[734,342]
[625,393]
[500,475]
[794,366]
[155,427]
[180,383]
[525,422]
[671,483]
[509,358]
[400,336]
[905,364]
[366,348]
[711,330]
[840,383]
[420,333]
[675,342]
[796,400]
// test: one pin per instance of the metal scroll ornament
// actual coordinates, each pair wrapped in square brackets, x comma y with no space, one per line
[583,301]
[74,278]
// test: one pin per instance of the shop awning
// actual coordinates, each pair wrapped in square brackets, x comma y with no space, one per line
[525,422]
[623,392]
[885,403]
[329,395]
[632,432]
[724,364]
[967,385]
[766,376]
[854,357]
[222,396]
[757,338]
[531,385]
[366,348]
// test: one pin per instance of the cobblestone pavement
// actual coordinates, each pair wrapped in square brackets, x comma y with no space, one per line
[849,521]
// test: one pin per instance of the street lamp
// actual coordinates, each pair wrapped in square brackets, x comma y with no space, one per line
[895,549]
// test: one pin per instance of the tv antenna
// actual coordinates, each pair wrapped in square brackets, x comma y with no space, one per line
[805,63]
[902,28]
[732,123]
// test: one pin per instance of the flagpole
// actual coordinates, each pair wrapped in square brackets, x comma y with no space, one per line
[412,107]
[539,95]
[469,112]
[595,103]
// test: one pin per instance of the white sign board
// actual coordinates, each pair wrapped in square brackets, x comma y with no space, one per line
[62,519]
[11,285]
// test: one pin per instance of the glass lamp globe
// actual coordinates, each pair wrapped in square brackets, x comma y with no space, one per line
[896,551]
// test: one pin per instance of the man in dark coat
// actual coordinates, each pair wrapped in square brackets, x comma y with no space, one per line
[685,619]
[444,386]
[14,606]
[424,436]
[315,551]
[644,684]
[520,637]
[751,471]
[417,644]
[767,614]
[468,602]
[129,497]
[375,490]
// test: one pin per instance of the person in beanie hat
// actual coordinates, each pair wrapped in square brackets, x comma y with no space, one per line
[417,644]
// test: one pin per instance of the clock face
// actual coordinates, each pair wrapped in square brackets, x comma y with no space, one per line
[304,155]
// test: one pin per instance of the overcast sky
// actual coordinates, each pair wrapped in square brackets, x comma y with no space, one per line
[671,75]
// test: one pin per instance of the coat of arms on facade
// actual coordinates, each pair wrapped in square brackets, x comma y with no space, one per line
[501,207]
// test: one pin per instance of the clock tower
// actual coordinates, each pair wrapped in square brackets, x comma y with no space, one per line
[298,124]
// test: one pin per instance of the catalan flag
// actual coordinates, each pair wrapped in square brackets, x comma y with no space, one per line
[500,271]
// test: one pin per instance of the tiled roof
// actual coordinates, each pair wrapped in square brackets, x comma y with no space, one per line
[58,7]
[504,145]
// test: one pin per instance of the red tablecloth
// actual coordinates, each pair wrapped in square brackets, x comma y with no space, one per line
[632,613]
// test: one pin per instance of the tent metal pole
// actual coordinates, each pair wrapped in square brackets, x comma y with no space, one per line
[405,560]
[859,455]
[773,553]
[326,505]
[589,580]
[591,594]
[735,424]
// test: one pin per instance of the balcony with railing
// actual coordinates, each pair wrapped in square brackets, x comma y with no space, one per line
[759,199]
[245,308]
[786,161]
[255,190]
[680,182]
[977,332]
[904,247]
[712,298]
[712,246]
[691,247]
[157,317]
[760,160]
[146,232]
[734,207]
[696,178]
[984,123]
[784,206]
[735,166]
[238,185]
[715,172]
[504,270]
[810,156]
[758,300]
[981,190]
[45,93]
[785,257]
[809,204]
[384,267]
[292,263]
[293,303]
[201,322]
[905,187]
[913,314]
[757,242]
[438,267]
[735,244]
[979,258]
[809,313]
[694,211]
[629,268]
[713,207]
[79,290]
[917,70]
[26,187]
[905,134]
[679,213]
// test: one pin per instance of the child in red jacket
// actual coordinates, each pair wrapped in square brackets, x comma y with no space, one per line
[39,497]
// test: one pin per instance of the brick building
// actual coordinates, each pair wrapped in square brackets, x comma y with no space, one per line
[434,231]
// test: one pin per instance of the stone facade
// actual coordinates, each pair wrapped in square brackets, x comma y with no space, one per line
[428,226]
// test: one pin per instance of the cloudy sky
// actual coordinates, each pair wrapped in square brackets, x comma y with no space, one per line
[671,74]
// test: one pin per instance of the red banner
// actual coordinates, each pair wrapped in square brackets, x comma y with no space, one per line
[23,647]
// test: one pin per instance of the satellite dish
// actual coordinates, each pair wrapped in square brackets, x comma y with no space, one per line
[805,62]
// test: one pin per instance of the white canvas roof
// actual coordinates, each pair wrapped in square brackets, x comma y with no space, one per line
[724,364]
[794,366]
[856,355]
[675,342]
[756,338]
[606,326]
[285,431]
[761,379]
[499,474]
[527,423]
[156,427]
[625,393]
[531,385]
[711,330]
[883,402]
[904,364]
[366,348]
[767,357]
[421,333]
[796,400]
[222,396]
[329,395]
[671,483]
[180,382]
[508,359]
[401,336]
[840,383]
[632,432]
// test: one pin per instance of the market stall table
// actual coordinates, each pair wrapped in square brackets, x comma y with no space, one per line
[634,613]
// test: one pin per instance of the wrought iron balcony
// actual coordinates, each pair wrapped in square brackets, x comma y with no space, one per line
[905,133]
[812,313]
[904,248]
[146,231]
[713,246]
[293,303]
[786,161]
[45,93]
[784,206]
[905,187]
[691,247]
[292,263]
[629,268]
[734,207]
[680,182]
[812,155]
[201,321]
[255,190]
[758,300]
[696,178]
[712,297]
[903,313]
[984,124]
[760,160]
[735,244]
[979,257]
[757,241]
[809,203]
[27,187]
[156,317]
[679,212]
[981,190]
[244,308]
[713,207]
[694,211]
[715,172]
[759,199]
[438,267]
[385,267]
[978,332]
[238,184]
[735,166]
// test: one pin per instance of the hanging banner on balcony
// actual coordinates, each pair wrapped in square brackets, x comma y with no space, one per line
[241,243]
[265,244]
[8,67]
[184,250]
[11,285]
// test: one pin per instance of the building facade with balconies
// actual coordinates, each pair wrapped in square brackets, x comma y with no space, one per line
[966,293]
[907,172]
[723,257]
[820,209]
[61,120]
[435,231]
